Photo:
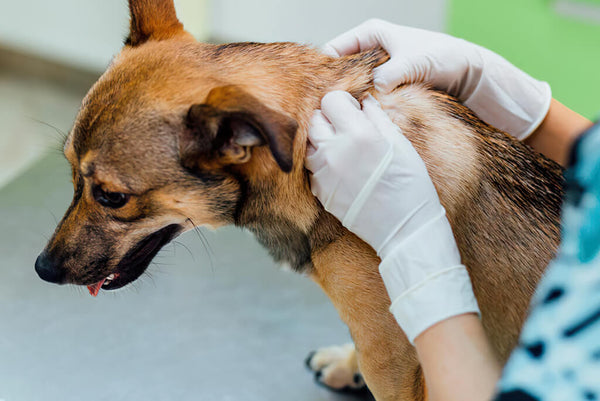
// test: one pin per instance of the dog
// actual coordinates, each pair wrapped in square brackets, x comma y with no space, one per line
[178,134]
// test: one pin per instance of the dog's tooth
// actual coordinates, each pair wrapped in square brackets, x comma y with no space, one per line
[111,277]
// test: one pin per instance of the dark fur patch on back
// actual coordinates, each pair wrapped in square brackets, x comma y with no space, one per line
[519,174]
[236,46]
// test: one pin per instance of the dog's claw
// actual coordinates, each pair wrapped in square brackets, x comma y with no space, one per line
[308,359]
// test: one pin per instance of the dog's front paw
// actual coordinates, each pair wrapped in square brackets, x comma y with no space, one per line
[336,367]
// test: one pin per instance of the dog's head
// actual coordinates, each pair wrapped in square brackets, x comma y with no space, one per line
[158,147]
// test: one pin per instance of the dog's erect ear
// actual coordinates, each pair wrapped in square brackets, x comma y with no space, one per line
[152,19]
[230,123]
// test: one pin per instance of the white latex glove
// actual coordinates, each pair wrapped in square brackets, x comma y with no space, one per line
[497,91]
[368,175]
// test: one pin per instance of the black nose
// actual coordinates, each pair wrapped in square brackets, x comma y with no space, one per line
[48,270]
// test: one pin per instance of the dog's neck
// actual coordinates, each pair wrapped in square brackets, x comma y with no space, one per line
[290,232]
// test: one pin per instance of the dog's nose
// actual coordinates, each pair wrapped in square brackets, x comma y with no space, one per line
[48,270]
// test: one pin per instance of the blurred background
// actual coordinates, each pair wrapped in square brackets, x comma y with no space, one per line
[216,321]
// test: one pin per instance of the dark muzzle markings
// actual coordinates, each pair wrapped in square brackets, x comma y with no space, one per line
[135,262]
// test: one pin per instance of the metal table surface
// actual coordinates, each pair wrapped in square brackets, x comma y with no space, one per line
[220,327]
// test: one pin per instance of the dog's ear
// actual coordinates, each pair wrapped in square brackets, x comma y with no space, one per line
[230,123]
[152,19]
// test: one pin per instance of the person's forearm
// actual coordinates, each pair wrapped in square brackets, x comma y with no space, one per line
[457,360]
[554,137]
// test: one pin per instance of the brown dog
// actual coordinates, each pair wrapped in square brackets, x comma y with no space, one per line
[178,133]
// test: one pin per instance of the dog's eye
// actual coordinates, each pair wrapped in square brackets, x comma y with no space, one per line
[113,200]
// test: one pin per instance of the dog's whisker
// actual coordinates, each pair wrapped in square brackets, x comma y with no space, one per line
[53,215]
[186,248]
[172,249]
[147,275]
[204,240]
[205,244]
[162,264]
[76,288]
[60,138]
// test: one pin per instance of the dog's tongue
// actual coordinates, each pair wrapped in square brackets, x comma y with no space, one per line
[94,289]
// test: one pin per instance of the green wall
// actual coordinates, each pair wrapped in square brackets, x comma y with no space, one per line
[561,50]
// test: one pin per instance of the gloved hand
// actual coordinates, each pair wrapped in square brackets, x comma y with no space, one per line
[368,175]
[497,91]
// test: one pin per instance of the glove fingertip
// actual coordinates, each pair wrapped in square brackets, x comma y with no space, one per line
[370,100]
[389,75]
[320,129]
[329,50]
[313,187]
[382,85]
[372,107]
[318,119]
[339,97]
[310,150]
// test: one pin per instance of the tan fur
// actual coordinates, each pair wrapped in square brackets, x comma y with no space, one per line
[131,130]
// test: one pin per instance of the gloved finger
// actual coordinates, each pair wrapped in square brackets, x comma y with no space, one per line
[342,110]
[319,132]
[317,183]
[324,186]
[315,159]
[310,150]
[360,38]
[385,126]
[394,72]
[329,50]
[320,129]
[375,113]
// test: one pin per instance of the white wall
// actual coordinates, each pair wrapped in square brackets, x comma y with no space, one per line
[83,33]
[86,33]
[316,21]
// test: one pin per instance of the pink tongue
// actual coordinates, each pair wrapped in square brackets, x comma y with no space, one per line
[94,289]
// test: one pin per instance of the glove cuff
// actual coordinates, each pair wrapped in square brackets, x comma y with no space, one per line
[438,298]
[508,98]
[425,279]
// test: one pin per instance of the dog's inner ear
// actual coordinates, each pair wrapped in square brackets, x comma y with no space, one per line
[152,19]
[231,123]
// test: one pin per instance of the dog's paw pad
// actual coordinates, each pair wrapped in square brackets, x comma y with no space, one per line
[336,368]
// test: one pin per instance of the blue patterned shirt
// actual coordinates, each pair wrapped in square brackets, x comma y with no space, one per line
[558,357]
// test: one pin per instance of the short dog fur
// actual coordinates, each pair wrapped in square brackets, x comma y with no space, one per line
[177,134]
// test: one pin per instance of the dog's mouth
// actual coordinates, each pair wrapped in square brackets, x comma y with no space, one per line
[136,260]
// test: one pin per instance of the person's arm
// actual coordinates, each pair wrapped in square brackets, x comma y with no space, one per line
[442,346]
[553,138]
